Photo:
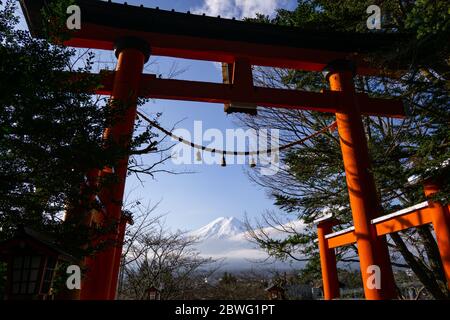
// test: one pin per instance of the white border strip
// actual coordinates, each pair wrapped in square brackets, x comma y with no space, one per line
[338,233]
[324,218]
[401,212]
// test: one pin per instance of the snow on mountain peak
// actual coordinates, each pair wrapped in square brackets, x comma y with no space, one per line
[223,227]
[226,239]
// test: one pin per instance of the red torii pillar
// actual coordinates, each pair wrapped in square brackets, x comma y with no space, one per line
[441,225]
[118,255]
[364,202]
[100,282]
[328,265]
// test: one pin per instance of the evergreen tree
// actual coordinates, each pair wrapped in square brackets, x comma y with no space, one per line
[51,131]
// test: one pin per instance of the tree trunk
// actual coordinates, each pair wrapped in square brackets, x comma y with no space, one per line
[419,268]
[432,251]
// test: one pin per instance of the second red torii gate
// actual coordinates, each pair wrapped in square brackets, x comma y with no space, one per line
[136,32]
[428,212]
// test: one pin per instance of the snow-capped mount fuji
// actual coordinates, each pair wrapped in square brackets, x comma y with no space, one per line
[221,228]
[227,239]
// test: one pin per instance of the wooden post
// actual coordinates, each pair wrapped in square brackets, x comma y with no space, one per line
[132,54]
[327,262]
[364,201]
[118,255]
[441,224]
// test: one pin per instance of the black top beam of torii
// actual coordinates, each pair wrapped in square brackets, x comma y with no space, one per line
[241,44]
[186,35]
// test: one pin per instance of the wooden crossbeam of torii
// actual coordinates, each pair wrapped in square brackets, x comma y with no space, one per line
[411,217]
[135,33]
[326,101]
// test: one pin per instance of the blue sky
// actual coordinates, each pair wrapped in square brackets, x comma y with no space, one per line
[194,200]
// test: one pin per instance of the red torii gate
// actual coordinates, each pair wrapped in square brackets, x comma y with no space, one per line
[135,32]
[424,213]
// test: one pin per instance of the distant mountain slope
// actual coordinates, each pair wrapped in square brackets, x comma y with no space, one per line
[227,239]
[219,229]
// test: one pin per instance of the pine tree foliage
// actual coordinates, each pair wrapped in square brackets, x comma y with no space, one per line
[51,129]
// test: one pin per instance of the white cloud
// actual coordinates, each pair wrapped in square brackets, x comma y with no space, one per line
[240,8]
